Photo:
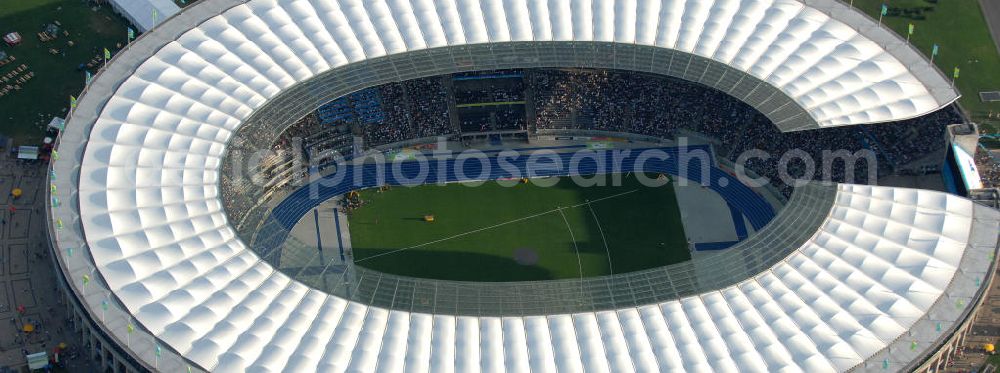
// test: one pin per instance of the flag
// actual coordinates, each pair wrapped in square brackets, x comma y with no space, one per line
[131,33]
[89,76]
[130,328]
[107,54]
[955,75]
[72,102]
[155,15]
[934,50]
[911,29]
[158,352]
[885,9]
[104,304]
[86,279]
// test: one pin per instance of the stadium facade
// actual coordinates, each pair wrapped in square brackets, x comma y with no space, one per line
[847,277]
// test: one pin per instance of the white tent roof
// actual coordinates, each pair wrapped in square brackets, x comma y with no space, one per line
[835,63]
[148,137]
[141,12]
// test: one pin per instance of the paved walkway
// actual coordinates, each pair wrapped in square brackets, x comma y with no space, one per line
[986,329]
[991,11]
[28,293]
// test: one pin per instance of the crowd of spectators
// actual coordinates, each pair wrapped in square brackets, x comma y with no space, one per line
[988,163]
[490,102]
[483,91]
[414,109]
[605,100]
[277,168]
[654,105]
[492,118]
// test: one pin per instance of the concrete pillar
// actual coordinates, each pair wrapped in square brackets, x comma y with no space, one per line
[949,350]
[94,352]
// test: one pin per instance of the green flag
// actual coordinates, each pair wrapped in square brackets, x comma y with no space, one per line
[155,16]
[86,279]
[107,54]
[131,33]
[89,76]
[72,102]
[130,328]
[885,9]
[955,75]
[911,29]
[934,50]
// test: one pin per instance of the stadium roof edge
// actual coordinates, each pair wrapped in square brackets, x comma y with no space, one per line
[121,247]
[930,78]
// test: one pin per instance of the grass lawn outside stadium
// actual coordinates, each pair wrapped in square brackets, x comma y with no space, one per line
[527,232]
[959,29]
[27,111]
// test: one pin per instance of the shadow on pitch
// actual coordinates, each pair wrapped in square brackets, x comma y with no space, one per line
[449,265]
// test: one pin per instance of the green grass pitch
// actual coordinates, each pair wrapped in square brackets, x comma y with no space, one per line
[478,230]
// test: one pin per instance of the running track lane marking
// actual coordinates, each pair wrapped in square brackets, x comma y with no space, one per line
[319,240]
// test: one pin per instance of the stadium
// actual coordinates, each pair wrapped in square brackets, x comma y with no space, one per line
[398,186]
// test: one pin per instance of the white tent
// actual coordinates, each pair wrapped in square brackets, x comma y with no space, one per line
[145,14]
